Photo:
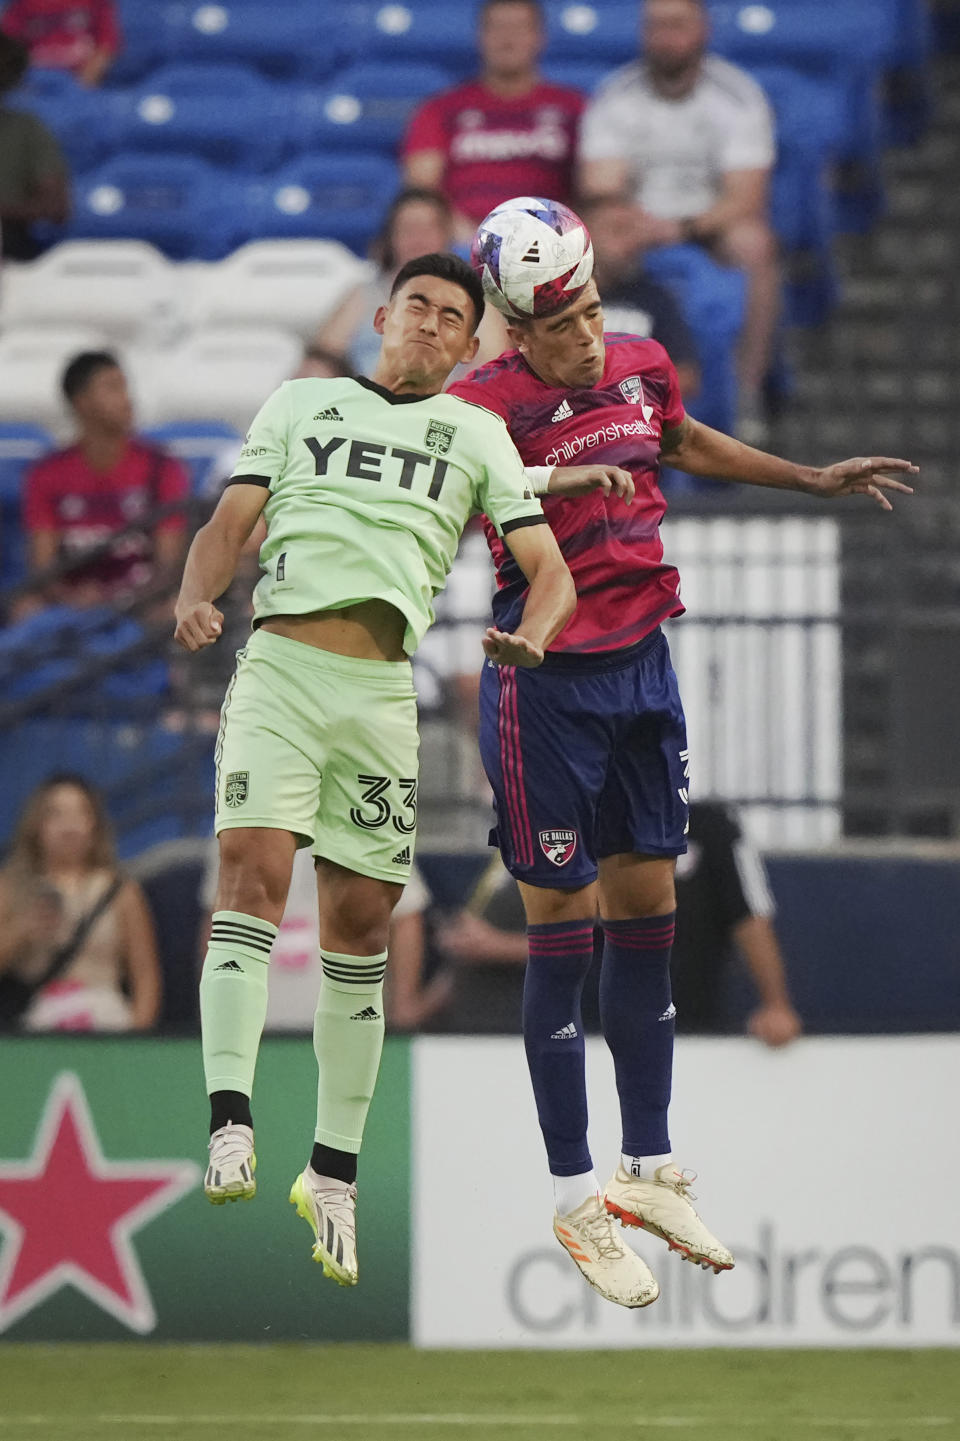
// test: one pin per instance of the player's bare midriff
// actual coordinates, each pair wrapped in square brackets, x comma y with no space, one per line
[370,630]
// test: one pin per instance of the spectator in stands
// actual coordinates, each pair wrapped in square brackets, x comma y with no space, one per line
[633,302]
[689,139]
[34,179]
[506,133]
[418,222]
[81,36]
[74,931]
[108,483]
[724,907]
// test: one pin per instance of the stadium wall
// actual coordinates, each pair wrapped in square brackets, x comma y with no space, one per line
[104,1234]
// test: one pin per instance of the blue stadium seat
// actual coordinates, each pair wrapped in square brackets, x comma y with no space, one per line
[199,445]
[416,30]
[577,74]
[225,113]
[78,117]
[145,28]
[812,35]
[606,31]
[20,446]
[176,202]
[713,298]
[283,40]
[367,107]
[338,197]
[50,648]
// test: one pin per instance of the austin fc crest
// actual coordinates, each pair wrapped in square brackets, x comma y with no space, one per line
[558,846]
[439,437]
[236,788]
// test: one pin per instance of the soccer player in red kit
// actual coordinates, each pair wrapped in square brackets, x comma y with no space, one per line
[587,757]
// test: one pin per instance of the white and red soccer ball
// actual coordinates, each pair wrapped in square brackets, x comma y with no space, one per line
[534,257]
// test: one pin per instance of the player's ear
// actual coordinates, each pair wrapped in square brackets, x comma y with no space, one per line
[518,336]
[379,319]
[470,349]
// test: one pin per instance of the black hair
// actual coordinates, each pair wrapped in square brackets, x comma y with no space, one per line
[382,247]
[14,62]
[79,371]
[444,267]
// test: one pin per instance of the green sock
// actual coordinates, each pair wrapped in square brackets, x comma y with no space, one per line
[347,1041]
[233,999]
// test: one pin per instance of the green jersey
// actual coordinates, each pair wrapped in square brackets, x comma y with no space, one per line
[369,494]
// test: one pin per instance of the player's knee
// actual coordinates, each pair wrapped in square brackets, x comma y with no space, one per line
[355,912]
[251,880]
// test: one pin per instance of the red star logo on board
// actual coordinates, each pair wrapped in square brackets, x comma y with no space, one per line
[68,1215]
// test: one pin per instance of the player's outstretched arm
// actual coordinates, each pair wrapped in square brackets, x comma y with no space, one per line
[700,450]
[551,600]
[211,562]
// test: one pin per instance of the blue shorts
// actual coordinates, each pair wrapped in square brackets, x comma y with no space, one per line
[587,757]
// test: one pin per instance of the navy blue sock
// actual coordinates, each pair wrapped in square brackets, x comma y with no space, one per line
[637,1016]
[560,956]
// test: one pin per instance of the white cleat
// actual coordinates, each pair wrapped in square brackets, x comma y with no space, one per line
[230,1174]
[663,1208]
[589,1236]
[330,1208]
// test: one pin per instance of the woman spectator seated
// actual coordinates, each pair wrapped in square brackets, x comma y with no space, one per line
[417,223]
[77,945]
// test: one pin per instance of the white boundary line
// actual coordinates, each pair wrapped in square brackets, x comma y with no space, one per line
[254,1419]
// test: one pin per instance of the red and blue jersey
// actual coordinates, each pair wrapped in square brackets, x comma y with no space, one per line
[614,551]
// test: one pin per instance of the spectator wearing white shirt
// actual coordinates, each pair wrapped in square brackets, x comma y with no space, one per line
[689,138]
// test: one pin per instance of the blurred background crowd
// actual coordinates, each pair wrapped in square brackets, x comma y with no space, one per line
[200,200]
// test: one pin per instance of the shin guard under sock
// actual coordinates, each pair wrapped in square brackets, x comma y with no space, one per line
[637,1017]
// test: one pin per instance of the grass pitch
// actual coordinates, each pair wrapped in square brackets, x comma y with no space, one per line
[390,1393]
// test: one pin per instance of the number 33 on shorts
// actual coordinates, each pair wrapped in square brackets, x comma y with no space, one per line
[384,801]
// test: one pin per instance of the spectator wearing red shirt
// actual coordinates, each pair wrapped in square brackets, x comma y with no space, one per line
[78,497]
[77,35]
[506,133]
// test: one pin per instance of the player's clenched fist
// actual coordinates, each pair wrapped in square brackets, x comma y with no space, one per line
[198,625]
[504,649]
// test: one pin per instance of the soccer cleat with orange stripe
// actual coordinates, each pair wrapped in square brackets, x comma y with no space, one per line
[663,1208]
[589,1237]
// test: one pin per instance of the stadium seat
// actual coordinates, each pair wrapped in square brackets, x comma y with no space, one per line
[343,197]
[31,364]
[281,40]
[418,31]
[222,374]
[204,447]
[20,446]
[123,288]
[367,107]
[55,647]
[80,119]
[603,32]
[176,202]
[810,34]
[145,26]
[226,114]
[577,74]
[713,299]
[291,283]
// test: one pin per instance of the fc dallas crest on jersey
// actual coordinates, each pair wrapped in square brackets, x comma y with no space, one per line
[68,1215]
[558,845]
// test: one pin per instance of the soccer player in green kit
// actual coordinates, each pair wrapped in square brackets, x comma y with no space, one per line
[365,487]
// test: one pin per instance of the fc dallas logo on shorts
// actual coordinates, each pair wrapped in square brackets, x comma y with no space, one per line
[558,846]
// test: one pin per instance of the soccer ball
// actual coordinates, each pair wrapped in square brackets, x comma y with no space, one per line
[533,257]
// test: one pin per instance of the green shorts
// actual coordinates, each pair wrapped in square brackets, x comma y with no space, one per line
[324,746]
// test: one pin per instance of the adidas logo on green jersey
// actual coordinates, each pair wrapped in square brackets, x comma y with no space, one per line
[331,413]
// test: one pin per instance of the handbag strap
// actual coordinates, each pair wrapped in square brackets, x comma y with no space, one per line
[62,957]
